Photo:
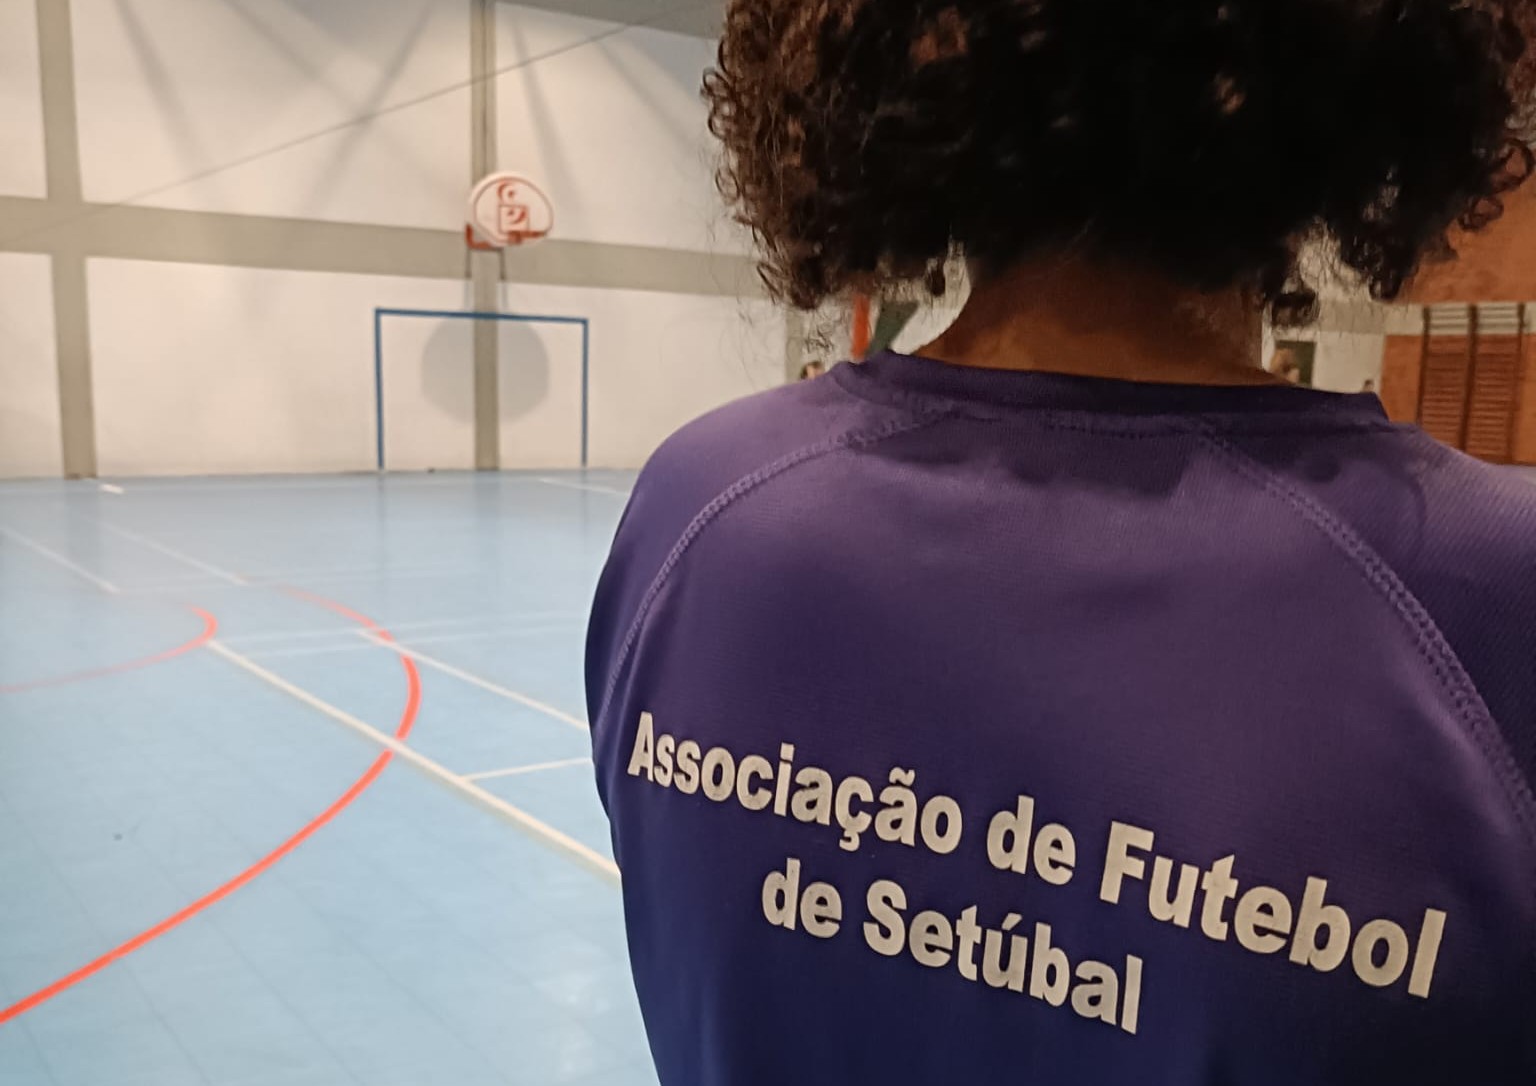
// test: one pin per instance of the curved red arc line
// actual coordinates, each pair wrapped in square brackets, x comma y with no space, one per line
[138,942]
[338,608]
[210,631]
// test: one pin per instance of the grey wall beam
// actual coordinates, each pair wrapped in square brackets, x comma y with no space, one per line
[255,241]
[71,231]
[633,267]
[702,19]
[485,268]
[72,339]
[71,301]
[200,237]
[61,138]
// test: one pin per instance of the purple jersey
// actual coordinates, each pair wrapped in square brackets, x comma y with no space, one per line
[973,727]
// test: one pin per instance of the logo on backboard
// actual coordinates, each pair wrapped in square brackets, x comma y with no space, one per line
[508,209]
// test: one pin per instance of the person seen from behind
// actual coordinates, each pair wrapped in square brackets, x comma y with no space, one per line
[1049,811]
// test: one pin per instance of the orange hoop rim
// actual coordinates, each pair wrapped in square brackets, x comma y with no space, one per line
[525,237]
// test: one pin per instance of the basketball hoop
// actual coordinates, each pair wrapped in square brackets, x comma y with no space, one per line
[507,210]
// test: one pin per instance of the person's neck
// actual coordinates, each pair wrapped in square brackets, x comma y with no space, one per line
[1095,321]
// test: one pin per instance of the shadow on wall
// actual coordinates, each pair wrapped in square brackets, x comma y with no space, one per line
[448,367]
[525,371]
[448,370]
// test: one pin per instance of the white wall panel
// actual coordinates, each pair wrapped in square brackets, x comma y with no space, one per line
[660,360]
[29,380]
[540,390]
[1346,360]
[170,90]
[207,370]
[22,170]
[429,393]
[614,129]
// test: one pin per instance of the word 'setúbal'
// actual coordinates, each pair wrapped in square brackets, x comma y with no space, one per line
[1008,957]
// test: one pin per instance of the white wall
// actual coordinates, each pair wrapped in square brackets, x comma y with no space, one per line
[22,171]
[657,361]
[210,105]
[1346,360]
[660,360]
[29,380]
[171,89]
[207,370]
[429,394]
[540,389]
[1349,351]
[615,130]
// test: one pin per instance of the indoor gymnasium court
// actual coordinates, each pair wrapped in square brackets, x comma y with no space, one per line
[307,761]
[333,334]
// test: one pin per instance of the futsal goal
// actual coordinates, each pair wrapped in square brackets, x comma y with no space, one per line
[454,391]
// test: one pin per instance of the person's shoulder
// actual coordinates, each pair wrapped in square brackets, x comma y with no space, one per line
[1459,532]
[729,449]
[1417,502]
[743,436]
[1460,535]
[1481,512]
[706,467]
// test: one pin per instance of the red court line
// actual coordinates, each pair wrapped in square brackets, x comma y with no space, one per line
[340,609]
[266,863]
[210,630]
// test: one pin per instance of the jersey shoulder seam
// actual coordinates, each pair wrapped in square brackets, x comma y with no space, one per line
[851,439]
[1436,651]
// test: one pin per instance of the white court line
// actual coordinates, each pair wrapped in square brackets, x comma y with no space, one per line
[475,680]
[589,858]
[354,481]
[504,631]
[524,770]
[108,488]
[266,578]
[584,486]
[342,481]
[57,558]
[268,581]
[179,589]
[356,569]
[403,573]
[179,580]
[398,627]
[260,653]
[512,630]
[271,581]
[171,552]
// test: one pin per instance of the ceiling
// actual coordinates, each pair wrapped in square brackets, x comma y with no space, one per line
[697,17]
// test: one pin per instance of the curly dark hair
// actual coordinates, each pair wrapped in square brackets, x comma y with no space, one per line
[1211,141]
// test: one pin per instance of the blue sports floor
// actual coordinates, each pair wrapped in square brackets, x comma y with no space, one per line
[294,786]
[294,790]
